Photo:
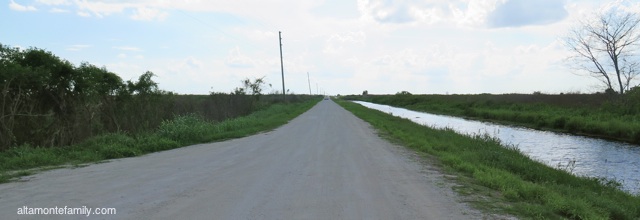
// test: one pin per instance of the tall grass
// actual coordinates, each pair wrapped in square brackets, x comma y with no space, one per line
[181,131]
[518,184]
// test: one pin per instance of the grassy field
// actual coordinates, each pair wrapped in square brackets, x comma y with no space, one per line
[502,178]
[181,131]
[599,115]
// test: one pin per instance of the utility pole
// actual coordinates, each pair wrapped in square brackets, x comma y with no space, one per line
[317,90]
[284,93]
[309,80]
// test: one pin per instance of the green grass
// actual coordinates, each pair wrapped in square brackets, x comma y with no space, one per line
[503,178]
[181,131]
[598,115]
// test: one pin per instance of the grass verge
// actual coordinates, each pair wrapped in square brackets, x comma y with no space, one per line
[519,185]
[181,131]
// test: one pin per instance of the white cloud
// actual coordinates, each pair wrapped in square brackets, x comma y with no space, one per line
[128,48]
[236,59]
[407,58]
[18,7]
[149,14]
[191,75]
[58,10]
[101,9]
[259,35]
[474,13]
[126,70]
[337,42]
[621,5]
[515,13]
[191,63]
[393,11]
[125,56]
[54,2]
[78,47]
[83,14]
[427,15]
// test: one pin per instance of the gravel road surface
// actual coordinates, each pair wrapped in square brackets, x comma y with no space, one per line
[325,164]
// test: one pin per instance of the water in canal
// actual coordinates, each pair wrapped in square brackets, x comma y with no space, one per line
[593,157]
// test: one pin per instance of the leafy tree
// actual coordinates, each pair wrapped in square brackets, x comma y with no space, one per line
[94,81]
[145,84]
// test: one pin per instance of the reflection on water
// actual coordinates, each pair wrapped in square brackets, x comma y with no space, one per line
[593,157]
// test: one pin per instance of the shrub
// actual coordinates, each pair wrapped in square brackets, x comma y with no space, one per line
[186,129]
[560,122]
[153,143]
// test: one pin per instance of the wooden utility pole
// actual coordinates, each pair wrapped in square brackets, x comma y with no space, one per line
[309,80]
[284,93]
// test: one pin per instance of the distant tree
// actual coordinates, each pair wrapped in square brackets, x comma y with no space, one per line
[239,91]
[403,93]
[610,91]
[365,92]
[254,87]
[606,47]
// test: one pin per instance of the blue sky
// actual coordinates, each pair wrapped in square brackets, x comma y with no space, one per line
[383,46]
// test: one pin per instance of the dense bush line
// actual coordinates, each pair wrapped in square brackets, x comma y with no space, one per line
[46,101]
[601,115]
[179,131]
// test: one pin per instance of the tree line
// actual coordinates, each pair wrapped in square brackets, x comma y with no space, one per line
[47,101]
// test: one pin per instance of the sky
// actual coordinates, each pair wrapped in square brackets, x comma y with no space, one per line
[328,46]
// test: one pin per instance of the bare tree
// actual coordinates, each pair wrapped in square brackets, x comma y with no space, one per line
[606,47]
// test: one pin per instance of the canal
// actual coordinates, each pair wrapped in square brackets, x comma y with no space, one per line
[583,156]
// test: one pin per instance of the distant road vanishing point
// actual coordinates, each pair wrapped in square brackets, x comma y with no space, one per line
[324,164]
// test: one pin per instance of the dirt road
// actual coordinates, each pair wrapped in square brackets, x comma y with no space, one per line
[325,164]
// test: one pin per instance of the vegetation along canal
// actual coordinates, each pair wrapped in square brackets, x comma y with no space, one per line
[582,156]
